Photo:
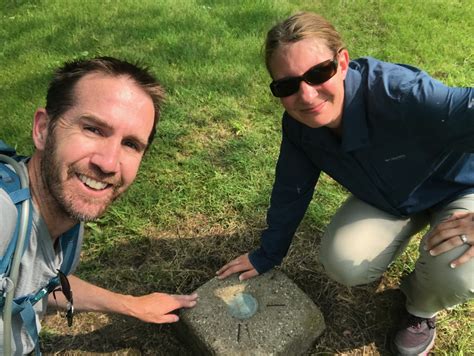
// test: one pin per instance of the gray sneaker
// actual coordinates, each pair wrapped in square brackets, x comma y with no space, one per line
[415,337]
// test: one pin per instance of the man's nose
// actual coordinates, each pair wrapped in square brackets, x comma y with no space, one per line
[107,156]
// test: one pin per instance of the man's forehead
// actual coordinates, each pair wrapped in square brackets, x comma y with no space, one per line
[97,86]
[104,80]
[107,96]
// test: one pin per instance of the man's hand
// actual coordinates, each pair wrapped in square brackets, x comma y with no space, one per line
[449,234]
[157,307]
[239,264]
[151,308]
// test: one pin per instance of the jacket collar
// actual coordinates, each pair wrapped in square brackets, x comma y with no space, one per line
[355,133]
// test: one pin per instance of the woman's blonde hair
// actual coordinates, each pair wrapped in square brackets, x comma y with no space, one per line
[298,27]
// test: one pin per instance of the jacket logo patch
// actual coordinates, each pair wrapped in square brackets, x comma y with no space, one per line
[396,158]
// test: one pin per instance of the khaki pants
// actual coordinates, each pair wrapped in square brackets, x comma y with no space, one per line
[361,241]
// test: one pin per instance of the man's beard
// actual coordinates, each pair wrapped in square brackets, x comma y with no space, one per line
[51,176]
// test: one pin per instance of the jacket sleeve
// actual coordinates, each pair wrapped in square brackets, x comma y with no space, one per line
[295,180]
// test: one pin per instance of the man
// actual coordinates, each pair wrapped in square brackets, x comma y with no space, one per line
[99,120]
[400,142]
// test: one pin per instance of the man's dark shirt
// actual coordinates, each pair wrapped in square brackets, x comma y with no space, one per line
[405,147]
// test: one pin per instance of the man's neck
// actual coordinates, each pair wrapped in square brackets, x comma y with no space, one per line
[57,221]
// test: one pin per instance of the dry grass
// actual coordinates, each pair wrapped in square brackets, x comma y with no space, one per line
[358,319]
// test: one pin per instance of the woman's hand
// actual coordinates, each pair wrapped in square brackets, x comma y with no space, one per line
[239,264]
[450,234]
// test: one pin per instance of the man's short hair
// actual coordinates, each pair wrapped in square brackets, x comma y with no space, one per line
[60,96]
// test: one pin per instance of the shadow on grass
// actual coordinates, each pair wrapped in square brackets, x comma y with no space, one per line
[357,319]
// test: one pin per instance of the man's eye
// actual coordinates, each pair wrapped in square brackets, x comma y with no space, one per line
[92,129]
[132,145]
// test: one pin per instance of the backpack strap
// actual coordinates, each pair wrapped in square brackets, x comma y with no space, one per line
[23,305]
[70,245]
[10,182]
[6,150]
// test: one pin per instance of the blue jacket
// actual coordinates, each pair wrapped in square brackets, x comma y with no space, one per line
[405,147]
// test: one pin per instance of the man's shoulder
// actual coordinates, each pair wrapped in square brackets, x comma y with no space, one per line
[8,215]
[7,207]
[8,218]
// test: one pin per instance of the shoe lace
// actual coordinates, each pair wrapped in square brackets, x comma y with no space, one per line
[416,322]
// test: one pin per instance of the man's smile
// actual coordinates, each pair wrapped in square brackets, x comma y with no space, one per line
[92,183]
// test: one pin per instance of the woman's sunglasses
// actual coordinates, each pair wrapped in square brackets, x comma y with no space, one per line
[315,75]
[66,289]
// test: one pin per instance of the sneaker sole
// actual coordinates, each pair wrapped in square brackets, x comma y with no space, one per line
[430,346]
[425,352]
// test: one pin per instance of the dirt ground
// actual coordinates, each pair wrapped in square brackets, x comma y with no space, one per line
[358,319]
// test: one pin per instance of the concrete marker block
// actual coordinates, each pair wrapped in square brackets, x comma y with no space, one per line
[266,315]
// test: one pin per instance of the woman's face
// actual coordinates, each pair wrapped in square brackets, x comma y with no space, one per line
[313,105]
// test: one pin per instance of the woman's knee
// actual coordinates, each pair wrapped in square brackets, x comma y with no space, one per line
[361,241]
[436,273]
[347,272]
[350,261]
[463,285]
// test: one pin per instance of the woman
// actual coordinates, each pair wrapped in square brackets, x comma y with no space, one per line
[399,141]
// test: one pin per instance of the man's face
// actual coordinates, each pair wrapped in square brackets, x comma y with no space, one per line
[93,154]
[313,105]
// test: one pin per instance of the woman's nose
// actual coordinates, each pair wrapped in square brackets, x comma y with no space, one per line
[307,91]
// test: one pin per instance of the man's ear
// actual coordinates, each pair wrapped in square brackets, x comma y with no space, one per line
[40,128]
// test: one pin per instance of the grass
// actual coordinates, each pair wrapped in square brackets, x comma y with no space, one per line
[202,193]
